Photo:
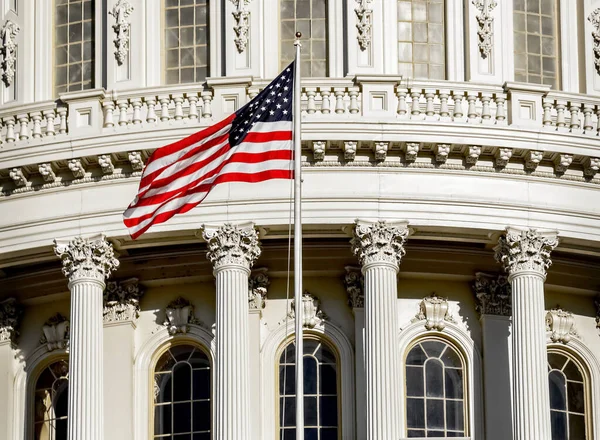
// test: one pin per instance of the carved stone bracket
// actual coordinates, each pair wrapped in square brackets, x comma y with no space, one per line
[122,27]
[180,314]
[257,288]
[232,245]
[122,300]
[525,250]
[379,242]
[594,18]
[597,304]
[354,283]
[241,15]
[561,325]
[364,15]
[434,311]
[55,333]
[492,294]
[11,313]
[9,51]
[485,20]
[312,315]
[86,258]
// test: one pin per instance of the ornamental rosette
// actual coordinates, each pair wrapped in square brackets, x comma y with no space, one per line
[232,245]
[122,300]
[354,283]
[525,250]
[379,242]
[10,318]
[86,258]
[493,294]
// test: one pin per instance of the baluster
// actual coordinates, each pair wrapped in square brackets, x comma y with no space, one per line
[137,106]
[429,109]
[24,130]
[49,115]
[10,129]
[151,116]
[325,104]
[123,105]
[109,108]
[458,110]
[62,114]
[500,108]
[415,106]
[339,100]
[164,108]
[444,111]
[207,110]
[547,104]
[486,114]
[310,106]
[353,92]
[575,122]
[588,110]
[193,99]
[472,110]
[560,114]
[402,108]
[36,132]
[178,100]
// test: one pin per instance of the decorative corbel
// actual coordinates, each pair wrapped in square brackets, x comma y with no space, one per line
[241,14]
[594,18]
[179,314]
[354,283]
[312,315]
[121,11]
[11,313]
[122,300]
[561,325]
[486,25]
[55,333]
[434,311]
[9,51]
[364,14]
[257,288]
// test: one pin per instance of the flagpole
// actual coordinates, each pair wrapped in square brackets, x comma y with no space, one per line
[298,246]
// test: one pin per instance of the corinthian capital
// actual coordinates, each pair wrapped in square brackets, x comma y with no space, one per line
[492,294]
[86,258]
[379,242]
[10,318]
[525,250]
[229,244]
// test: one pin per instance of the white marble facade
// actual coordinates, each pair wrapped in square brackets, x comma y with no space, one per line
[451,210]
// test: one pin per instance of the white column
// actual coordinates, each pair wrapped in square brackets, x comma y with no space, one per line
[10,317]
[379,247]
[525,255]
[86,263]
[232,250]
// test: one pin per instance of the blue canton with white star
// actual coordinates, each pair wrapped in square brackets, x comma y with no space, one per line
[272,104]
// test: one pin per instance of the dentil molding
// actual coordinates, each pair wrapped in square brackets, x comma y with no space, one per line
[179,315]
[594,18]
[433,310]
[355,287]
[485,20]
[122,27]
[561,325]
[55,333]
[11,313]
[364,25]
[241,15]
[232,245]
[379,242]
[525,250]
[258,283]
[9,33]
[122,300]
[492,294]
[312,315]
[86,258]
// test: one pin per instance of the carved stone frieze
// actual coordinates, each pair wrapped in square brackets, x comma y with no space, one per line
[122,28]
[241,15]
[562,162]
[350,150]
[503,156]
[379,242]
[122,300]
[525,250]
[412,151]
[354,283]
[18,177]
[533,159]
[105,162]
[11,313]
[232,245]
[591,166]
[55,333]
[561,325]
[434,311]
[485,20]
[312,315]
[47,172]
[76,168]
[442,151]
[594,18]
[492,294]
[472,154]
[258,283]
[86,258]
[380,149]
[9,33]
[318,148]
[179,315]
[364,25]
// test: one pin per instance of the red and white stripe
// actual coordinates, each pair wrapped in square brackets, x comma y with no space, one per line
[180,175]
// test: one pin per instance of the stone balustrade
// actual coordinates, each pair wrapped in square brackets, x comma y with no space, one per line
[33,121]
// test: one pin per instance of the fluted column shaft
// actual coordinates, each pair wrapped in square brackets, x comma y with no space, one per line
[232,401]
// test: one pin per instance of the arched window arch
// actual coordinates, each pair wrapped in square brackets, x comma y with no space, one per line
[569,391]
[186,41]
[321,391]
[310,18]
[182,393]
[435,390]
[51,402]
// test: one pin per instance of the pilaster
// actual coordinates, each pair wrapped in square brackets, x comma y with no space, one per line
[525,256]
[379,247]
[10,318]
[86,263]
[233,251]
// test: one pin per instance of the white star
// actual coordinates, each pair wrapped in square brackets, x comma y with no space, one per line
[282,76]
[278,105]
[253,123]
[259,115]
[285,100]
[263,108]
[237,137]
[268,101]
[246,121]
[271,112]
[277,85]
[271,86]
[273,93]
[287,70]
[285,112]
[286,88]
[279,94]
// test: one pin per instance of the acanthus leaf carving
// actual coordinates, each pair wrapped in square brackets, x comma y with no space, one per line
[55,333]
[258,283]
[9,33]
[241,15]
[485,20]
[434,311]
[312,315]
[561,325]
[364,14]
[179,315]
[122,27]
[525,250]
[594,18]
[122,300]
[91,258]
[493,294]
[354,283]
[11,313]
[379,241]
[232,245]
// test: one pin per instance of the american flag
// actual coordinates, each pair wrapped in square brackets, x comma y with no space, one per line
[252,145]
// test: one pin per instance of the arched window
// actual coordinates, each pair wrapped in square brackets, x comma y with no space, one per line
[186,41]
[310,18]
[321,397]
[421,39]
[182,394]
[435,390]
[51,402]
[567,398]
[73,45]
[536,42]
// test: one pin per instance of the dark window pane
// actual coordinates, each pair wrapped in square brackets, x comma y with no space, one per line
[329,434]
[415,413]
[416,356]
[181,352]
[454,383]
[450,358]
[572,372]
[182,437]
[163,381]
[556,361]
[288,434]
[326,356]
[201,384]
[199,360]
[576,398]
[414,381]
[557,390]
[310,346]
[435,434]
[288,411]
[182,417]
[311,434]
[310,375]
[328,379]
[455,434]
[434,377]
[182,386]
[162,419]
[201,416]
[576,427]
[61,399]
[433,348]
[310,411]
[328,411]
[455,415]
[435,414]
[416,433]
[61,429]
[165,362]
[203,436]
[287,377]
[558,422]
